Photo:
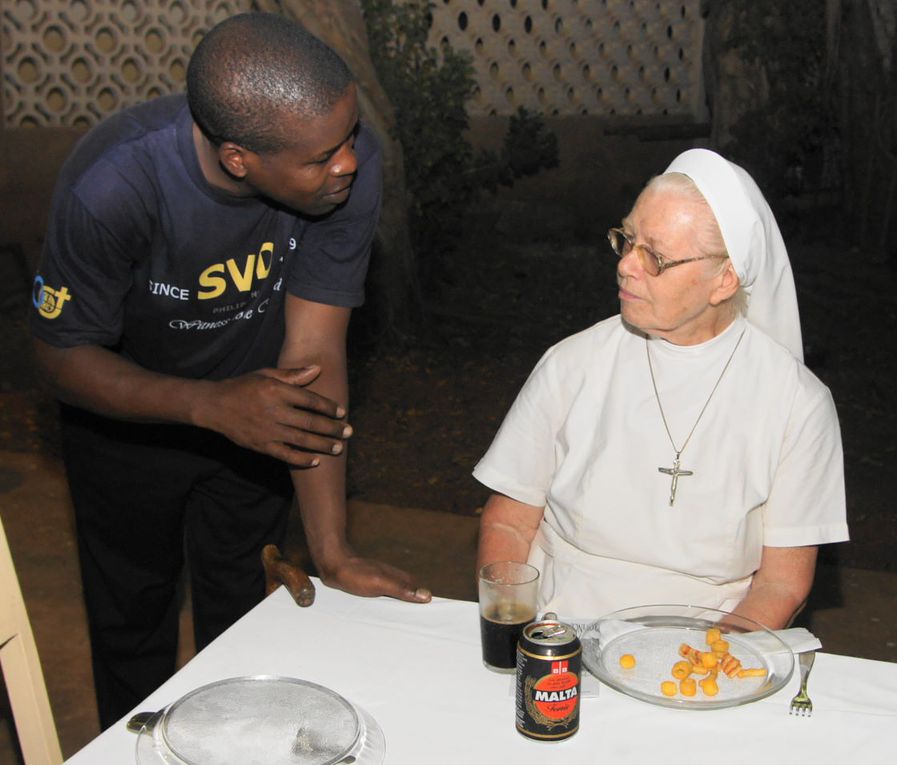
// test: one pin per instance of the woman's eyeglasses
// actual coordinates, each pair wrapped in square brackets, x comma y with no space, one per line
[652,262]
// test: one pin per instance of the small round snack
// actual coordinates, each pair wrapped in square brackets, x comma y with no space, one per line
[668,688]
[627,661]
[709,686]
[688,687]
[681,670]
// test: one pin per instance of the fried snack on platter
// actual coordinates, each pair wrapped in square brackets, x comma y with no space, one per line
[688,686]
[752,672]
[730,665]
[698,658]
[692,654]
[709,686]
[668,688]
[708,663]
[627,661]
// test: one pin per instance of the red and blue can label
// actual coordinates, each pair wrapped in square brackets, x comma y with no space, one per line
[549,665]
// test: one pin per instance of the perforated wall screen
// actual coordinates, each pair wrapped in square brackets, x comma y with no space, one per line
[71,62]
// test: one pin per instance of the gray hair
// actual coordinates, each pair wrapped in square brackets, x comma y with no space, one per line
[708,236]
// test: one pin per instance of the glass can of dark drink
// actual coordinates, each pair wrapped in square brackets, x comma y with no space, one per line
[549,666]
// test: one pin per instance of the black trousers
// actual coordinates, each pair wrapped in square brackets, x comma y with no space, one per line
[144,497]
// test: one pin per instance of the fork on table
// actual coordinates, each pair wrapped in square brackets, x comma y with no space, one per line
[801,704]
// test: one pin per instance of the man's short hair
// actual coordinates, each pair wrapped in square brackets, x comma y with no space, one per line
[252,70]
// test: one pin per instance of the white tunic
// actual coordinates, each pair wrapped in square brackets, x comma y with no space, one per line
[585,439]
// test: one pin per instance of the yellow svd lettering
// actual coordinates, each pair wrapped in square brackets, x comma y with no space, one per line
[213,277]
[261,269]
[216,285]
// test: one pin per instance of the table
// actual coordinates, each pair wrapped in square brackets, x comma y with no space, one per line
[417,670]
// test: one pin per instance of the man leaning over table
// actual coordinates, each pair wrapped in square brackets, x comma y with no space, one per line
[679,452]
[190,311]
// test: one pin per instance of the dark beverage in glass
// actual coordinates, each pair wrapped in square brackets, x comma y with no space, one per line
[500,629]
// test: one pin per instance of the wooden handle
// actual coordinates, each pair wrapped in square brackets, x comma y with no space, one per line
[279,571]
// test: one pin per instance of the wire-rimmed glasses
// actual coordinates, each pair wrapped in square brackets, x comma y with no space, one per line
[652,262]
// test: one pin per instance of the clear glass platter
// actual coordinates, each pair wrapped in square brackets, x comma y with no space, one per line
[653,634]
[262,719]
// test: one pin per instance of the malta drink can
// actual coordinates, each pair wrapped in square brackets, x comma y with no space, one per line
[549,664]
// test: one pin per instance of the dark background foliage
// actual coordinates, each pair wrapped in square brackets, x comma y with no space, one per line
[429,90]
[783,140]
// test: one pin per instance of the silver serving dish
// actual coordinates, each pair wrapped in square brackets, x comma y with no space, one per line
[262,719]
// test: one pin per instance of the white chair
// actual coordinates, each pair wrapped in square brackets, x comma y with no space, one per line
[22,670]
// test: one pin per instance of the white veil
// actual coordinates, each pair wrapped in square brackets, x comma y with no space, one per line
[753,241]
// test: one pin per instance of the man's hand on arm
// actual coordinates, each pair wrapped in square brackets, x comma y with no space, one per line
[271,411]
[316,335]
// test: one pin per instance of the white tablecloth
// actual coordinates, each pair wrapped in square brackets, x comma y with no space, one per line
[417,670]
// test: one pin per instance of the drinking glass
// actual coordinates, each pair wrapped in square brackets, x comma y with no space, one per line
[507,593]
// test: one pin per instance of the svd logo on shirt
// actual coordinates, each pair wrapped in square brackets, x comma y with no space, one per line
[48,301]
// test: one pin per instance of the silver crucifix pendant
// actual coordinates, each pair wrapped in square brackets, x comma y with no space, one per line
[675,472]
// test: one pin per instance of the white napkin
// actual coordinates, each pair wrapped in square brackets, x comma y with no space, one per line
[798,639]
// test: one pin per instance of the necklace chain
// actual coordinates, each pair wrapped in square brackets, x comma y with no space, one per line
[675,472]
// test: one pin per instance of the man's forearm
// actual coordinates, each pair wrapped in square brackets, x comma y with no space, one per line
[103,382]
[321,491]
[321,495]
[316,334]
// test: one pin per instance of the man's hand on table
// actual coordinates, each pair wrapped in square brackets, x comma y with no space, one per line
[270,411]
[370,578]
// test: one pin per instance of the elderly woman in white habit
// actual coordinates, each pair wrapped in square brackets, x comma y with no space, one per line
[679,452]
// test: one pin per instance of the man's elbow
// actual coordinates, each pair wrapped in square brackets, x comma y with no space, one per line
[49,362]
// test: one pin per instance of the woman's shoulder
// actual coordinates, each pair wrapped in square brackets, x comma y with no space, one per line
[775,361]
[606,334]
[568,363]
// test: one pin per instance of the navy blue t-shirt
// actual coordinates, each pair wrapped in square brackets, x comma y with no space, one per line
[145,257]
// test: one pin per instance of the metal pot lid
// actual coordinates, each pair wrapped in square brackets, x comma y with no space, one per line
[263,719]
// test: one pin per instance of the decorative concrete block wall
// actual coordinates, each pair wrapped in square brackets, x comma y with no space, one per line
[72,62]
[589,57]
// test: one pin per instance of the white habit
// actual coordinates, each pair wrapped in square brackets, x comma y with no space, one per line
[585,439]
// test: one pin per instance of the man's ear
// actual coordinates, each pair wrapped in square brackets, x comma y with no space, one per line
[727,285]
[232,157]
